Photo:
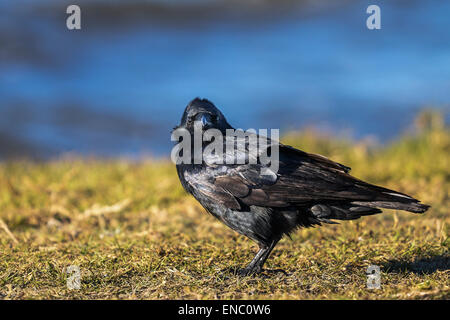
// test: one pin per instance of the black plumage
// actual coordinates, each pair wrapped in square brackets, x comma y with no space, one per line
[306,190]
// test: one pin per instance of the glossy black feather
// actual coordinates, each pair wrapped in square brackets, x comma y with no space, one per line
[307,190]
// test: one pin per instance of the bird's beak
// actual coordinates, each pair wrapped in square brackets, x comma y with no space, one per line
[204,121]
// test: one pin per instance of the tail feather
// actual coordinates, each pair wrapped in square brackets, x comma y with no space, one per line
[412,206]
[390,199]
[356,209]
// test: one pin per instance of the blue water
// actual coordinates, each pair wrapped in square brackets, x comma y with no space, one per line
[119,90]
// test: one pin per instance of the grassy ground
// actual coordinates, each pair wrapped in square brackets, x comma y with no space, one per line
[135,234]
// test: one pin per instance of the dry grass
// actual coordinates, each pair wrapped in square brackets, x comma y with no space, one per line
[135,234]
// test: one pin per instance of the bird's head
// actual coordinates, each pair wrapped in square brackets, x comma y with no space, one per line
[202,114]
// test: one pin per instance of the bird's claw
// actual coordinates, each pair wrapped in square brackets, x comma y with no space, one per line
[245,272]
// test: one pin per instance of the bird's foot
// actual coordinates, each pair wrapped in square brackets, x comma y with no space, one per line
[245,272]
[275,271]
[259,271]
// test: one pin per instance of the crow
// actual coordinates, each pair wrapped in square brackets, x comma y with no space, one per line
[306,189]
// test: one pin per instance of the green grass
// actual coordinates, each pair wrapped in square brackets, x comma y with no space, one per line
[135,234]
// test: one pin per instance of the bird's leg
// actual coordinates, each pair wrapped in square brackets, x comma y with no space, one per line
[249,268]
[257,263]
[263,258]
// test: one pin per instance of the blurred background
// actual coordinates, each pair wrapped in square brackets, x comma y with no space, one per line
[118,86]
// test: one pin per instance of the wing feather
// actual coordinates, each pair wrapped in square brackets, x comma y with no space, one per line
[302,178]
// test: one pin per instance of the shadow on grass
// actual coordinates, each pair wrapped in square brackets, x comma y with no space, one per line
[419,266]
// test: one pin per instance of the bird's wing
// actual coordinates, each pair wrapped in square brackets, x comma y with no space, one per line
[302,178]
[316,158]
[202,182]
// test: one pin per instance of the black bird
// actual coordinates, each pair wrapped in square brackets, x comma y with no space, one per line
[306,190]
